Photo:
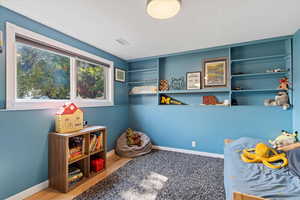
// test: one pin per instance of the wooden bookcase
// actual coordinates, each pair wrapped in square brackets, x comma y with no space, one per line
[59,162]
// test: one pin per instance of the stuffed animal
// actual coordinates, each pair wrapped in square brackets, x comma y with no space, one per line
[133,138]
[284,139]
[281,99]
[262,153]
[284,84]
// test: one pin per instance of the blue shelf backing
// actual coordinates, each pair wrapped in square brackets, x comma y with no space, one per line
[254,75]
[219,90]
[260,58]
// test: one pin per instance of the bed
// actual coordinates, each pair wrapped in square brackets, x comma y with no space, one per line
[245,181]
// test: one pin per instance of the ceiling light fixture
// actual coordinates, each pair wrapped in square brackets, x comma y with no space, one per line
[163,9]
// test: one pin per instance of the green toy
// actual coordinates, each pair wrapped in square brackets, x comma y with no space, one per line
[284,139]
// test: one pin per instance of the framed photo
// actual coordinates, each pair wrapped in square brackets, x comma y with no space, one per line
[120,75]
[215,72]
[193,80]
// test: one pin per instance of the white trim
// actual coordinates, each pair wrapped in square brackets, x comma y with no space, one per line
[30,191]
[13,104]
[41,186]
[200,153]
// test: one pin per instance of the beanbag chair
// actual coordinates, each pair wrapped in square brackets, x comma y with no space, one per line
[122,149]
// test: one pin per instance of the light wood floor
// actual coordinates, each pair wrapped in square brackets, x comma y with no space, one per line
[113,163]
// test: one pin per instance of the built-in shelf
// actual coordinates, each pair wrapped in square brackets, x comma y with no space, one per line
[142,94]
[97,151]
[257,90]
[259,58]
[141,82]
[219,90]
[259,74]
[77,159]
[143,70]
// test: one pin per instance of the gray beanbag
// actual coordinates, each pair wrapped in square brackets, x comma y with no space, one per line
[124,150]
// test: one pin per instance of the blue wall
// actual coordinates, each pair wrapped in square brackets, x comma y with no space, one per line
[296,81]
[177,126]
[23,134]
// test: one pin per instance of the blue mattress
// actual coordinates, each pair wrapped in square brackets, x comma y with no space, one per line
[255,178]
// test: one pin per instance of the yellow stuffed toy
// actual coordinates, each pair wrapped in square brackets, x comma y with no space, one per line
[264,154]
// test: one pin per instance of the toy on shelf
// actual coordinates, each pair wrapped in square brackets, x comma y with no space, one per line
[69,118]
[262,153]
[163,85]
[284,84]
[281,99]
[275,70]
[284,139]
[210,100]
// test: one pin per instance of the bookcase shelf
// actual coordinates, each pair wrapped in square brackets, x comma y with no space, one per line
[257,75]
[59,162]
[216,90]
[260,58]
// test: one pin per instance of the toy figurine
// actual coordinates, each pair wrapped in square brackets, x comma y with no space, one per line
[284,139]
[281,99]
[133,138]
[264,154]
[284,84]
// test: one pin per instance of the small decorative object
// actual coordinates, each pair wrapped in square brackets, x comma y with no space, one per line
[281,99]
[193,80]
[226,102]
[262,153]
[1,41]
[210,100]
[166,100]
[215,72]
[284,139]
[284,84]
[238,88]
[120,75]
[177,83]
[163,85]
[85,123]
[69,118]
[274,70]
[133,138]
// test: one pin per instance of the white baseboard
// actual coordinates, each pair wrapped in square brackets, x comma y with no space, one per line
[213,155]
[39,187]
[30,191]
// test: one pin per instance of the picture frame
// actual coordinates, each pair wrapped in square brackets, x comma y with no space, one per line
[215,72]
[193,80]
[120,75]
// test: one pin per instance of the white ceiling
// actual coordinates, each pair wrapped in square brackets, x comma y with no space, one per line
[200,23]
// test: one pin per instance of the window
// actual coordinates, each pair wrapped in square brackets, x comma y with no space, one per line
[43,73]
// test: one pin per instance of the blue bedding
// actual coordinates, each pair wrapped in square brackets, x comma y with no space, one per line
[255,178]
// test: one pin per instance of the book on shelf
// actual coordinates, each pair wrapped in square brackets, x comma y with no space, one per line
[74,175]
[95,142]
[76,147]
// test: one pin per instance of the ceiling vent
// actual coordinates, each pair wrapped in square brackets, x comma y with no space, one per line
[122,41]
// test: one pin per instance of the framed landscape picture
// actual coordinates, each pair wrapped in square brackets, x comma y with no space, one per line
[120,75]
[215,72]
[193,80]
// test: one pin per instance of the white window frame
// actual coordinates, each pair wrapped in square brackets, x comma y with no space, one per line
[12,103]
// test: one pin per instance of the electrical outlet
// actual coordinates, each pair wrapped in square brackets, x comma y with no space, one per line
[194,144]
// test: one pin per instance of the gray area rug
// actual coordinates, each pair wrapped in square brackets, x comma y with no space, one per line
[162,175]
